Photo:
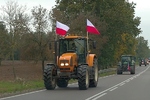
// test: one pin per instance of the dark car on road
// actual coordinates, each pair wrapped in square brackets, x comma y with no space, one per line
[142,62]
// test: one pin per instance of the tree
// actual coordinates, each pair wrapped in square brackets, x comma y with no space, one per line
[39,38]
[12,17]
[3,41]
[142,50]
[126,46]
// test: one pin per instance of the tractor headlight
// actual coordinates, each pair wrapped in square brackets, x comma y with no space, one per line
[66,64]
[62,64]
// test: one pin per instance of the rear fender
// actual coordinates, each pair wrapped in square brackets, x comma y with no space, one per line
[90,59]
[51,64]
[55,69]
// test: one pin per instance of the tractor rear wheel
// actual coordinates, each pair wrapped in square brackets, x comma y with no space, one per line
[62,83]
[94,81]
[83,77]
[119,71]
[133,70]
[49,78]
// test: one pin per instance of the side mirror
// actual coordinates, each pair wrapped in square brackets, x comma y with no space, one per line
[94,44]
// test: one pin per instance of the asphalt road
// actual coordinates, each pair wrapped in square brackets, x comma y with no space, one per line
[114,87]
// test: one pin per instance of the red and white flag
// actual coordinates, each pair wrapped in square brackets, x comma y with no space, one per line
[61,28]
[91,28]
[128,66]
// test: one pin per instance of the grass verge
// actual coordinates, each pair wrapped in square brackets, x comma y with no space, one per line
[107,73]
[16,87]
[20,86]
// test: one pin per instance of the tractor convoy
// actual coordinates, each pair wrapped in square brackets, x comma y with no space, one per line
[73,60]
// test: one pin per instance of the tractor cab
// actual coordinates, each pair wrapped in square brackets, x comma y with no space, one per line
[73,45]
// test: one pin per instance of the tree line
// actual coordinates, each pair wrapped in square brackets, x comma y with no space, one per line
[25,35]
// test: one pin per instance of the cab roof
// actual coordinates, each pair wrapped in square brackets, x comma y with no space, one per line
[72,37]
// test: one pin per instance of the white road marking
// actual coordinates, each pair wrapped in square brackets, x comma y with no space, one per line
[98,95]
[131,78]
[21,95]
[106,76]
[128,80]
[122,84]
[113,89]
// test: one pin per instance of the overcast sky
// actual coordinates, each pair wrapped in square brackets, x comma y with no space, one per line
[142,10]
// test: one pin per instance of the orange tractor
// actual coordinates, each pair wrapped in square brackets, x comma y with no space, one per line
[73,60]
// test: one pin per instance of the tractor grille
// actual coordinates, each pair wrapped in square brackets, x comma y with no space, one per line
[65,69]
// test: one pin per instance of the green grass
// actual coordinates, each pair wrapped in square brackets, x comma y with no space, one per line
[107,73]
[19,86]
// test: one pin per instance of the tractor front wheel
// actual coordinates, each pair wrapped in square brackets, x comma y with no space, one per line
[83,77]
[119,71]
[133,70]
[49,77]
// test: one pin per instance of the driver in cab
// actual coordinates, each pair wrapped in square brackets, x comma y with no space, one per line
[73,46]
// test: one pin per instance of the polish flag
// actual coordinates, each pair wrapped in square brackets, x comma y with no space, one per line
[61,28]
[129,67]
[91,28]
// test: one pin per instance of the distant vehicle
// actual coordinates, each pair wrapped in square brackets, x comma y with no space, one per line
[149,60]
[142,62]
[127,63]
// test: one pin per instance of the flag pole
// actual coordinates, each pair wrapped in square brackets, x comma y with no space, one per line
[87,47]
[55,37]
[87,42]
[55,43]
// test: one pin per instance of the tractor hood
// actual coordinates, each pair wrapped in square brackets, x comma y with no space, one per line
[67,56]
[70,58]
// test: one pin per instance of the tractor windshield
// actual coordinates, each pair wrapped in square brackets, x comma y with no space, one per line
[72,45]
[125,59]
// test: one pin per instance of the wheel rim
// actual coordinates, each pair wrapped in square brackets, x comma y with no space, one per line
[96,73]
[87,78]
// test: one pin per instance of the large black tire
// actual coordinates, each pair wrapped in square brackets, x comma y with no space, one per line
[94,81]
[83,77]
[119,71]
[133,70]
[62,83]
[49,78]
